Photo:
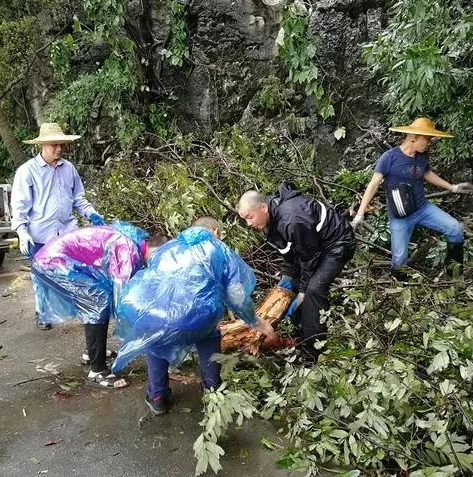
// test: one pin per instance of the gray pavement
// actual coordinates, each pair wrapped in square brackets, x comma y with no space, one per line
[55,425]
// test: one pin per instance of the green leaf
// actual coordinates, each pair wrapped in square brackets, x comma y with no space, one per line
[351,473]
[392,325]
[266,443]
[340,133]
[338,433]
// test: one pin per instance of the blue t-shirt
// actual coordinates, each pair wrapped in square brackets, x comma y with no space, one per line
[397,167]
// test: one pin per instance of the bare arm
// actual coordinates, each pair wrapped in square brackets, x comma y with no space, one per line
[437,181]
[370,192]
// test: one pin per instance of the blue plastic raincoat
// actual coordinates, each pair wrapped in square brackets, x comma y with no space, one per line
[181,296]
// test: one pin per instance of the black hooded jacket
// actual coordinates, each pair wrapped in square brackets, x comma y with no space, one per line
[304,229]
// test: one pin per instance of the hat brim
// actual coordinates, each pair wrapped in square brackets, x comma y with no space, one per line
[421,132]
[60,139]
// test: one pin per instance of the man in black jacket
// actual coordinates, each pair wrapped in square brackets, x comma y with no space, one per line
[316,242]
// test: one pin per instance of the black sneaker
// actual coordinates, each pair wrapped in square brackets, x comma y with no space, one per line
[41,325]
[158,405]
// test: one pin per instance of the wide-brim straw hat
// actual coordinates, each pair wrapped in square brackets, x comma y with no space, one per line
[422,127]
[52,133]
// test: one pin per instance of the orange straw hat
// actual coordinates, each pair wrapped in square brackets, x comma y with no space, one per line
[51,133]
[422,127]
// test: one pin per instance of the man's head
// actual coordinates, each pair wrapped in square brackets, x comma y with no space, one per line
[209,223]
[52,152]
[418,143]
[419,134]
[152,243]
[253,208]
[53,141]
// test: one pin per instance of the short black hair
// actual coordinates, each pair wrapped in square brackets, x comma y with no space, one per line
[207,222]
[156,240]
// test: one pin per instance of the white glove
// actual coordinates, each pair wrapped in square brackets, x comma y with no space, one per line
[357,221]
[25,241]
[462,187]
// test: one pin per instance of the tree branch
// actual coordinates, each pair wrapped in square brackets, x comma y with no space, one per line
[20,78]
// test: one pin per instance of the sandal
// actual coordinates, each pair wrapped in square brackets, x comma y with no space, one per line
[85,360]
[106,379]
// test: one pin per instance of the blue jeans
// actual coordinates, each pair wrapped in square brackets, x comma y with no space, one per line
[158,376]
[429,216]
[32,251]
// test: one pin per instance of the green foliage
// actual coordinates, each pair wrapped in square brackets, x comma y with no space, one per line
[17,41]
[162,122]
[222,407]
[380,233]
[273,96]
[7,168]
[392,391]
[129,129]
[349,184]
[285,328]
[424,61]
[263,159]
[166,199]
[298,51]
[177,49]
[19,34]
[108,88]
[108,17]
[436,255]
[61,53]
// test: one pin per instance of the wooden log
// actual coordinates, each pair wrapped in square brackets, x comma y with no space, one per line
[238,336]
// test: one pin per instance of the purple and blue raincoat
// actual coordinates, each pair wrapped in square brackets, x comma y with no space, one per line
[81,273]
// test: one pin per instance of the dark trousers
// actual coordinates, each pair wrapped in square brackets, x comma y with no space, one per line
[96,343]
[35,248]
[158,376]
[316,295]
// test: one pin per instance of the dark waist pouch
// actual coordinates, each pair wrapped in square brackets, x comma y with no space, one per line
[401,200]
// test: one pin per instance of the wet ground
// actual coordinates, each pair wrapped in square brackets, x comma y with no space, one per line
[52,424]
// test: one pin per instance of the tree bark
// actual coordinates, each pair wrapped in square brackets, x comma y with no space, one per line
[238,336]
[11,142]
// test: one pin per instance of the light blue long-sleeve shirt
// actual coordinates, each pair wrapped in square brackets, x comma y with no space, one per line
[43,198]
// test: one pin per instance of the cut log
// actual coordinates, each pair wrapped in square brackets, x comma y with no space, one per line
[238,336]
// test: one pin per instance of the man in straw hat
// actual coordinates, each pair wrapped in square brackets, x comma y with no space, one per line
[404,169]
[46,190]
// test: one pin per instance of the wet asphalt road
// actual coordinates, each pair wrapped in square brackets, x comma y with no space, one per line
[54,425]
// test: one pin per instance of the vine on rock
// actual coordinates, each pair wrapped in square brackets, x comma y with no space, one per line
[298,51]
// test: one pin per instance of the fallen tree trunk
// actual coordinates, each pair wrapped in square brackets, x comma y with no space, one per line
[238,336]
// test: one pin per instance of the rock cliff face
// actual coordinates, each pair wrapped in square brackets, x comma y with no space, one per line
[343,27]
[233,46]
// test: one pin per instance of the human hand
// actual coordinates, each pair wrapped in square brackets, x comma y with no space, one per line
[295,304]
[357,221]
[97,219]
[462,187]
[25,240]
[265,328]
[286,282]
